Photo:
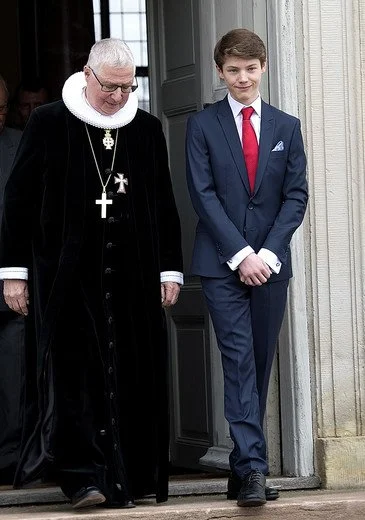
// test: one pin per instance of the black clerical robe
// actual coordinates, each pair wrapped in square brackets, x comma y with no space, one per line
[97,400]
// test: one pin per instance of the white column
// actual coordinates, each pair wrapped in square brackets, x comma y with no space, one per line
[284,59]
[333,109]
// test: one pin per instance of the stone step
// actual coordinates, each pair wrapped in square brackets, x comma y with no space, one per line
[292,505]
[178,486]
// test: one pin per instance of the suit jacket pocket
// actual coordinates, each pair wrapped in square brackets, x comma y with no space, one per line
[278,155]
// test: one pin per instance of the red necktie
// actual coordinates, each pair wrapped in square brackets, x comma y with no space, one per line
[249,145]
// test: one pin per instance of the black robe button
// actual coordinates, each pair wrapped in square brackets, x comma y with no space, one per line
[108,270]
[113,421]
[110,370]
[111,220]
[111,396]
[115,446]
[111,344]
[110,320]
[110,194]
[103,432]
[109,245]
[108,295]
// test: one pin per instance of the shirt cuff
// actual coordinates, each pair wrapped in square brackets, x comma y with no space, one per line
[172,276]
[271,259]
[13,273]
[235,261]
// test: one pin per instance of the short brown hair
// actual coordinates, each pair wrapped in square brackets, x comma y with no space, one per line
[241,43]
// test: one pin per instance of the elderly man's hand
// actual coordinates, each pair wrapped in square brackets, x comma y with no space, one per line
[16,295]
[169,293]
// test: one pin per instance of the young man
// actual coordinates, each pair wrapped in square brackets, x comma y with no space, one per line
[91,255]
[246,172]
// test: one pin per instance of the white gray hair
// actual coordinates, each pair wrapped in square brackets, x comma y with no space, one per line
[112,52]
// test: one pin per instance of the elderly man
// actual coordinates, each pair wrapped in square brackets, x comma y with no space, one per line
[11,326]
[91,255]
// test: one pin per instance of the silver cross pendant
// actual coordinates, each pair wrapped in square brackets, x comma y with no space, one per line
[103,202]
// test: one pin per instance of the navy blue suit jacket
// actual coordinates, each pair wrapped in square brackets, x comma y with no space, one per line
[230,218]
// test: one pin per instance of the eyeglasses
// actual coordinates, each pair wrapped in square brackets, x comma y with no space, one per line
[126,89]
[3,109]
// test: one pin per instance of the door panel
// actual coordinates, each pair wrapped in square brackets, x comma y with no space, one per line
[178,82]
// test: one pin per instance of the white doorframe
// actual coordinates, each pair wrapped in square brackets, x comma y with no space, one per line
[284,34]
[294,354]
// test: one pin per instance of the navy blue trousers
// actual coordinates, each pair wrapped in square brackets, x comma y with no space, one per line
[247,322]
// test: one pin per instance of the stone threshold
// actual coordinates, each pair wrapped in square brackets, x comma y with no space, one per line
[298,505]
[178,487]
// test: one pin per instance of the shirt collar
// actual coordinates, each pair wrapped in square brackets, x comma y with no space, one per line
[236,107]
[73,95]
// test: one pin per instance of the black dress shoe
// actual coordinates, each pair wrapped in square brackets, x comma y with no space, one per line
[234,486]
[252,492]
[87,497]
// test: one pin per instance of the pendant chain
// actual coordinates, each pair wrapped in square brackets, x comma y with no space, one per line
[104,185]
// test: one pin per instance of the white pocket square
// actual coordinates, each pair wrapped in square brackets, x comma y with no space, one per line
[279,147]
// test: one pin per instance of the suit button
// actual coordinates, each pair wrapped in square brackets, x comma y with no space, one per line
[250,206]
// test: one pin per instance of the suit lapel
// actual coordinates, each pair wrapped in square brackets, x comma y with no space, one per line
[228,125]
[266,139]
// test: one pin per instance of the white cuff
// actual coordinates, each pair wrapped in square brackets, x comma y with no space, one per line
[271,259]
[13,273]
[235,261]
[172,276]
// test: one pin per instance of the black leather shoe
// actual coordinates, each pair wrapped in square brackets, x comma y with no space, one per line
[234,486]
[87,497]
[252,492]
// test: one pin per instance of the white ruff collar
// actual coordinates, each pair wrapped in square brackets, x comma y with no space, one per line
[73,95]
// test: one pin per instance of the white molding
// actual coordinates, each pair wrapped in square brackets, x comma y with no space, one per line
[294,355]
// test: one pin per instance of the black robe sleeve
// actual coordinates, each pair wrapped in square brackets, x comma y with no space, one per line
[21,197]
[167,215]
